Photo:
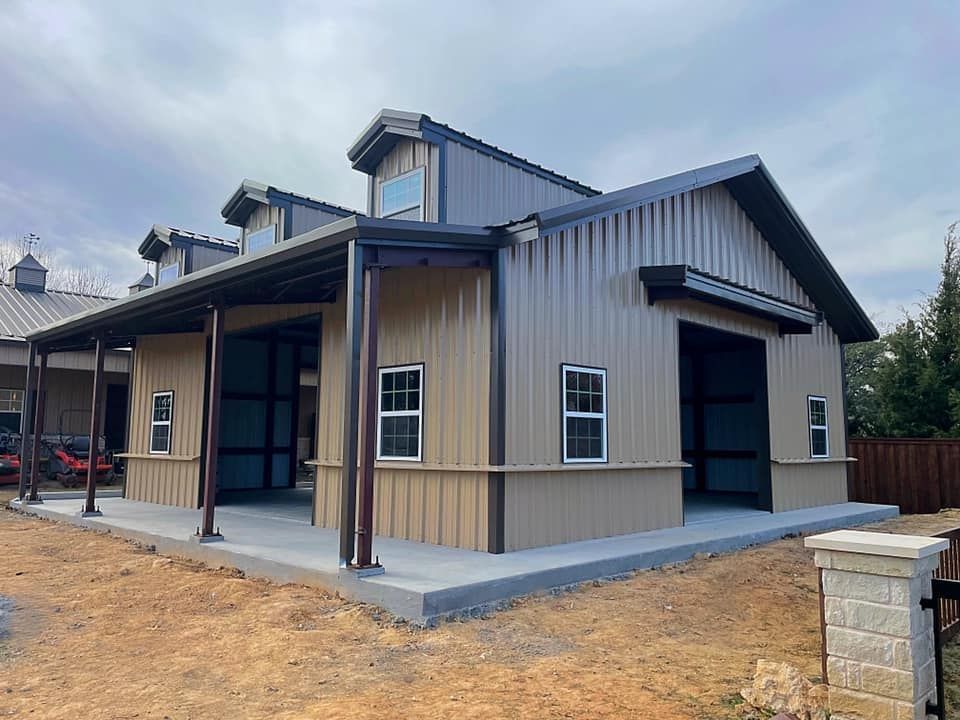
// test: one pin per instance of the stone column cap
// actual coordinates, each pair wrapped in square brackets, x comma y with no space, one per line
[913,547]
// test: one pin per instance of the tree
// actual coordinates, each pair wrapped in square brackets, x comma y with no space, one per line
[69,278]
[907,384]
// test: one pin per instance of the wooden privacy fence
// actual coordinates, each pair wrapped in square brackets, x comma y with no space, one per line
[919,475]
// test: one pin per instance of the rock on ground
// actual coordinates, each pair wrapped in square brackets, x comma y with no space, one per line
[782,688]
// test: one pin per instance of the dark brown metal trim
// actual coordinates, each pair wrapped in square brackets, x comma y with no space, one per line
[496,481]
[38,415]
[368,418]
[351,402]
[96,423]
[213,420]
[26,416]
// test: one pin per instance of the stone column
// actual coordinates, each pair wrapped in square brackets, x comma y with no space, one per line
[880,661]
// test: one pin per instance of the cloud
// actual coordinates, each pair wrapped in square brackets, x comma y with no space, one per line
[119,115]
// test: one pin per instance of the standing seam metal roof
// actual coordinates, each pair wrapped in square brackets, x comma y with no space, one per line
[22,312]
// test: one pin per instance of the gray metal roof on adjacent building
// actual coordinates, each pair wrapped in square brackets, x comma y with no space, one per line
[245,198]
[23,312]
[388,126]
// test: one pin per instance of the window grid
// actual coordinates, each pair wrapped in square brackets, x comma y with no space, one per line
[161,418]
[401,197]
[11,400]
[584,414]
[400,413]
[819,429]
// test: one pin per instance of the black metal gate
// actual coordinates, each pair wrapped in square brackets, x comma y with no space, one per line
[946,597]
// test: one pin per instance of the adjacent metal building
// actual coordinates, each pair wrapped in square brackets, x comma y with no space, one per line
[503,357]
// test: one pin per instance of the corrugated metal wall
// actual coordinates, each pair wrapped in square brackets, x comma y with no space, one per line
[575,296]
[69,396]
[439,317]
[243,317]
[203,257]
[546,508]
[261,217]
[167,362]
[408,155]
[808,485]
[307,218]
[482,190]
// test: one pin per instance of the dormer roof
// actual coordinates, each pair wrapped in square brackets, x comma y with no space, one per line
[160,237]
[391,126]
[251,193]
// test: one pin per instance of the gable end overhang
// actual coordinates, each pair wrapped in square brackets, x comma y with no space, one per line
[755,190]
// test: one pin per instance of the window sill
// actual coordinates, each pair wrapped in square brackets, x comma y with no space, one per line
[157,456]
[812,461]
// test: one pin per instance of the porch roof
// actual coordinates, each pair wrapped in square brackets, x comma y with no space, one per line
[306,268]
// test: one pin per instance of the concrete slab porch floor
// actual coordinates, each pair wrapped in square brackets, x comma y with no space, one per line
[424,582]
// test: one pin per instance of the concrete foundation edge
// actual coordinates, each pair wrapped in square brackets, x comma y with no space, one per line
[427,607]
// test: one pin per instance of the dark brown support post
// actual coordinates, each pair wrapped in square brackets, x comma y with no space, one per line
[96,417]
[496,479]
[25,418]
[351,403]
[368,417]
[38,415]
[206,531]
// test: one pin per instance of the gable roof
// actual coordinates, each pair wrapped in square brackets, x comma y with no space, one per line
[391,126]
[160,237]
[753,187]
[145,281]
[244,200]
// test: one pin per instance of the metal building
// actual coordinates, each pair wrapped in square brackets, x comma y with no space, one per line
[503,357]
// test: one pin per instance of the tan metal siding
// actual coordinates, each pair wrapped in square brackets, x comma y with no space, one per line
[167,362]
[172,255]
[808,485]
[443,508]
[69,396]
[575,296]
[260,218]
[441,318]
[482,190]
[547,508]
[408,155]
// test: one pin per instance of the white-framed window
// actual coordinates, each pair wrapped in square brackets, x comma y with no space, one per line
[168,273]
[11,400]
[160,419]
[401,197]
[819,432]
[400,413]
[584,414]
[262,238]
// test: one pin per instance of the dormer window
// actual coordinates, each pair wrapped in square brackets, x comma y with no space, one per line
[168,273]
[261,239]
[402,197]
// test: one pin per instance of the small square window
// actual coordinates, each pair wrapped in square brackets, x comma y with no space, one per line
[401,198]
[584,414]
[399,427]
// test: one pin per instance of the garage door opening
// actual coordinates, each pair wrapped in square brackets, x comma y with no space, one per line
[724,424]
[268,402]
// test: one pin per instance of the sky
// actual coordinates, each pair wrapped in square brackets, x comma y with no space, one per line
[116,115]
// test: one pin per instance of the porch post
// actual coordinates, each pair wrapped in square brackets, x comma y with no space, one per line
[38,415]
[368,419]
[351,403]
[96,415]
[25,418]
[206,532]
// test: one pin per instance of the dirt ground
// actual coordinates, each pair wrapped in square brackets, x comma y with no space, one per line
[105,629]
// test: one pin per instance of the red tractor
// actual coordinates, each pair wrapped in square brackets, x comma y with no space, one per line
[9,456]
[69,460]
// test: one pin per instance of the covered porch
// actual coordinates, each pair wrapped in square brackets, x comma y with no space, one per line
[207,325]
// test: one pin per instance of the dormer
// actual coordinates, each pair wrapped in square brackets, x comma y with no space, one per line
[419,169]
[28,275]
[267,215]
[179,252]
